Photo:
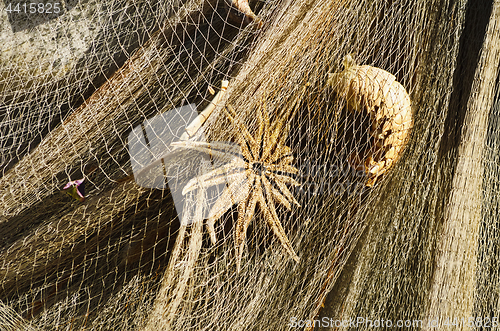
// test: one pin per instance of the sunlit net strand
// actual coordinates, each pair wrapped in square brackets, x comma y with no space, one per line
[214,291]
[62,96]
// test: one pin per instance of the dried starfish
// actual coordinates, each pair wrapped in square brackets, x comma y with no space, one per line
[258,173]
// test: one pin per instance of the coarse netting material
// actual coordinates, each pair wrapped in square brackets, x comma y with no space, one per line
[134,251]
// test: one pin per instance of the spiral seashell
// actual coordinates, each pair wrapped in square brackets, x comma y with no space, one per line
[376,92]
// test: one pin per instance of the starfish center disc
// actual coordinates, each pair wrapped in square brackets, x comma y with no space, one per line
[258,167]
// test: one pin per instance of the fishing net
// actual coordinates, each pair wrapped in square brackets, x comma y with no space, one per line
[111,179]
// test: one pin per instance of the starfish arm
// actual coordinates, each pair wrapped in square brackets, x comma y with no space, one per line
[284,189]
[262,140]
[268,155]
[277,139]
[282,168]
[223,203]
[283,159]
[283,136]
[240,244]
[245,215]
[275,193]
[281,155]
[234,193]
[275,147]
[245,140]
[228,173]
[283,178]
[271,217]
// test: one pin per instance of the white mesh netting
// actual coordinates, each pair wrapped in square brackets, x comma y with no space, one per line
[314,183]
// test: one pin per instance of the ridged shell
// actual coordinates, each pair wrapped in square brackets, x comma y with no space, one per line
[239,11]
[376,92]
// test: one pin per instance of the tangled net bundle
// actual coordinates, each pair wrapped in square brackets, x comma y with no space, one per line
[419,241]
